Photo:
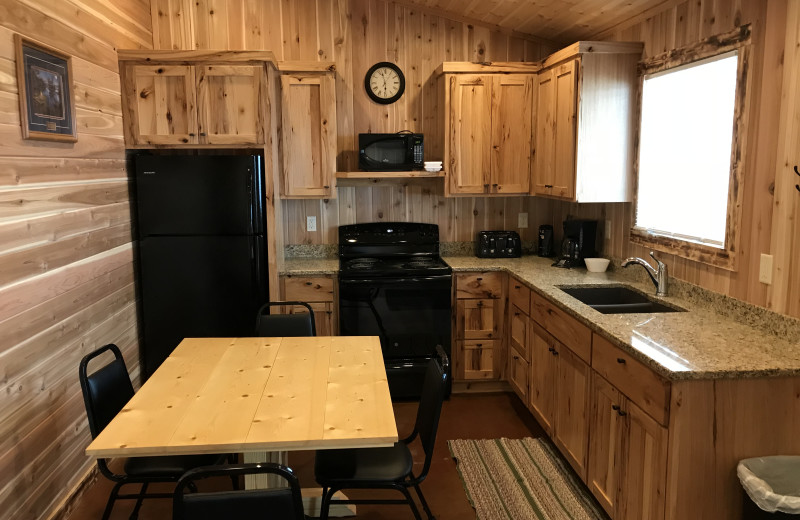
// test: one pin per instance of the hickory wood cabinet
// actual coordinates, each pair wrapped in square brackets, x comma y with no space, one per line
[320,293]
[488,130]
[308,129]
[585,122]
[191,99]
[480,304]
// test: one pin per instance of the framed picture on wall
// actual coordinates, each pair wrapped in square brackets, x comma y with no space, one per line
[44,77]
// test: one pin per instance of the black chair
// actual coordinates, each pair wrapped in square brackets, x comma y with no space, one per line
[285,325]
[388,468]
[105,392]
[279,503]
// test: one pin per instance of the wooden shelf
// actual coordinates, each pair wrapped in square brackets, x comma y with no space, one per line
[421,174]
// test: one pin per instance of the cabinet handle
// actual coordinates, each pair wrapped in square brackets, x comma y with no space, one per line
[516,314]
[486,185]
[620,361]
[326,187]
[621,413]
[308,283]
[202,134]
[479,279]
[191,134]
[515,357]
[517,287]
[478,344]
[555,352]
[494,185]
[615,407]
[551,349]
[548,185]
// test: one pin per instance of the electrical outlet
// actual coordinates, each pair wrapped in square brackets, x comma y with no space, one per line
[765,269]
[311,223]
[522,220]
[608,230]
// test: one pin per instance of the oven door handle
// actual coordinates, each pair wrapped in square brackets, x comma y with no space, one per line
[394,281]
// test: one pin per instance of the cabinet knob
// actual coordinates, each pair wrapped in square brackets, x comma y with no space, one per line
[548,185]
[478,344]
[308,283]
[517,287]
[494,185]
[516,357]
[620,361]
[326,187]
[191,134]
[516,314]
[555,352]
[486,185]
[202,134]
[479,279]
[615,407]
[551,349]
[621,413]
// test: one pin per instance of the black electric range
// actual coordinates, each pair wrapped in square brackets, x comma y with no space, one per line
[394,285]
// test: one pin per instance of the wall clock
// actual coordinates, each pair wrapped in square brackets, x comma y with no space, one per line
[385,82]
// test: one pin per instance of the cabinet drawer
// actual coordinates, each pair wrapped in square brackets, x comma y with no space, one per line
[518,332]
[518,369]
[479,319]
[478,359]
[519,295]
[562,326]
[640,384]
[479,285]
[308,289]
[323,316]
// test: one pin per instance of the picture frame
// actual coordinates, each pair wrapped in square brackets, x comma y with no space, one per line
[46,104]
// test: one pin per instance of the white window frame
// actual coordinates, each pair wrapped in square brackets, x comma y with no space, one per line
[726,257]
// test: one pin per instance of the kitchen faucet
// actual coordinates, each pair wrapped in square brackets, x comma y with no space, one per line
[659,276]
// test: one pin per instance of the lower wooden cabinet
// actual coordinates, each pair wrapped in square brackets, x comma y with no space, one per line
[323,316]
[518,369]
[480,308]
[320,293]
[478,359]
[542,379]
[627,465]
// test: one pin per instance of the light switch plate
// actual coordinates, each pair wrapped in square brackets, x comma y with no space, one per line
[765,269]
[311,223]
[522,220]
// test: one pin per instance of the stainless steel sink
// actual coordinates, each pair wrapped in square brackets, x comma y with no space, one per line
[618,299]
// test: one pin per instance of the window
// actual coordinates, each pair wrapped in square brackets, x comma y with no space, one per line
[690,149]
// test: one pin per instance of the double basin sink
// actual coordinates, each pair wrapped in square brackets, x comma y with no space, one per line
[619,299]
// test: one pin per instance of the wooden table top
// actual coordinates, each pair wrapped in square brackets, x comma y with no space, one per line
[235,395]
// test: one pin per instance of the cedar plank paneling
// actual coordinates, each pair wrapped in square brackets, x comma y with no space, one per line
[65,247]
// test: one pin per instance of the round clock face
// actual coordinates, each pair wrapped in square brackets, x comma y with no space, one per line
[384,82]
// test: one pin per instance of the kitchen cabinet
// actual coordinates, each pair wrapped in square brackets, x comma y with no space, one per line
[585,122]
[320,293]
[308,133]
[627,456]
[180,99]
[519,355]
[488,133]
[479,325]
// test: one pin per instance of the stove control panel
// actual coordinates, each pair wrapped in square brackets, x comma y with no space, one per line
[498,244]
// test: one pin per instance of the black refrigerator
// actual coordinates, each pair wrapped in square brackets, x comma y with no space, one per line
[202,251]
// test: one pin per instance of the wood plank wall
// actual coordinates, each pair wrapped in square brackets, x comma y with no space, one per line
[66,276]
[681,24]
[356,34]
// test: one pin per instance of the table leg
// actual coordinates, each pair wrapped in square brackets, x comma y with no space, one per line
[312,497]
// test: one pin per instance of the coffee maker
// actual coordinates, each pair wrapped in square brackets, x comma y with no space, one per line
[578,243]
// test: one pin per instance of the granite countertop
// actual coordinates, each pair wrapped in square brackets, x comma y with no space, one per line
[702,343]
[698,344]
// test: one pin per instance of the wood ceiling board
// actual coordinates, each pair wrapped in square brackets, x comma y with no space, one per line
[549,20]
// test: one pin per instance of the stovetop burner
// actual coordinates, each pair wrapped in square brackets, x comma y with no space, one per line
[361,264]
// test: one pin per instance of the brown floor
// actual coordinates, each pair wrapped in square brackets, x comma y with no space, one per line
[476,416]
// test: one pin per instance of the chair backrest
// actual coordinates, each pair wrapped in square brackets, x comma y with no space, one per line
[283,325]
[279,503]
[430,404]
[107,390]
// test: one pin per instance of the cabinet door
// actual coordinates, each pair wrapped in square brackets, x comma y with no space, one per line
[518,331]
[643,474]
[161,104]
[308,128]
[323,316]
[606,429]
[545,134]
[572,409]
[478,319]
[512,106]
[518,370]
[229,104]
[543,376]
[565,106]
[469,139]
[478,359]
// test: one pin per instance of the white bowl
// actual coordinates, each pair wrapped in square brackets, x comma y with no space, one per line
[596,265]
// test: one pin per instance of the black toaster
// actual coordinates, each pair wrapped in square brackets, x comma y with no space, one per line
[498,244]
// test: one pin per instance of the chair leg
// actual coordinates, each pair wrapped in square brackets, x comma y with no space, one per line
[135,513]
[411,503]
[324,509]
[111,499]
[424,503]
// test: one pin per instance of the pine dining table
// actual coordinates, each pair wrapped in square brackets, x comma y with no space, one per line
[261,397]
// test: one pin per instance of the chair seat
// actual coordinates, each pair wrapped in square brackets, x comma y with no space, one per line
[363,464]
[169,466]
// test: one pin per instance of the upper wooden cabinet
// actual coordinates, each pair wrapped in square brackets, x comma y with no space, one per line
[308,134]
[488,133]
[585,122]
[183,98]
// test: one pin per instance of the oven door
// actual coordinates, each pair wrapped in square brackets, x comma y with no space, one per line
[410,315]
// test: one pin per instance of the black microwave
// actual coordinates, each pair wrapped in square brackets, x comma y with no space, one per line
[390,152]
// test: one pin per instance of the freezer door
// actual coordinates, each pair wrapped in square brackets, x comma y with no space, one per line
[198,287]
[199,195]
